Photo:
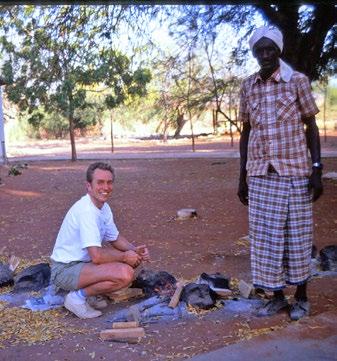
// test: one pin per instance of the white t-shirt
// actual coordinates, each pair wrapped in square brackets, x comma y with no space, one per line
[84,226]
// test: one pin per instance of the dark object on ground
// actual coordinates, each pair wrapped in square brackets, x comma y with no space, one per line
[314,251]
[215,280]
[152,282]
[198,295]
[33,278]
[218,163]
[6,275]
[15,169]
[329,258]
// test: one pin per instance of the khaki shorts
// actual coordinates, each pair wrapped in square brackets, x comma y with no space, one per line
[66,275]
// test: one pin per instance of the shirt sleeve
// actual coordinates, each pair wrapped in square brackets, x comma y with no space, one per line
[307,103]
[89,231]
[111,231]
[243,109]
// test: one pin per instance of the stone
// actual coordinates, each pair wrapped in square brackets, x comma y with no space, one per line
[33,278]
[186,213]
[330,175]
[6,275]
[328,257]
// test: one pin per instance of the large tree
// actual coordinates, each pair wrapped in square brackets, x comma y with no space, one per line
[56,55]
[310,31]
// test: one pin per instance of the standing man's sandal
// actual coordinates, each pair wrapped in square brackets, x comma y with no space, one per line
[299,309]
[80,309]
[272,307]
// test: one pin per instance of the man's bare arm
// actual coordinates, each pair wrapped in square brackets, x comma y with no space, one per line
[314,145]
[243,187]
[100,255]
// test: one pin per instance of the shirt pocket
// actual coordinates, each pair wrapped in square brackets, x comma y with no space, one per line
[286,107]
[254,108]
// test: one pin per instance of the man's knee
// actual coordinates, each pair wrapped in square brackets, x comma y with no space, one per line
[125,274]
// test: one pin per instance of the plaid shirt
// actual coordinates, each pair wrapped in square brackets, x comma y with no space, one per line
[275,109]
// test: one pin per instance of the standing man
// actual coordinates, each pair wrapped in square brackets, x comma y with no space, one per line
[277,111]
[90,256]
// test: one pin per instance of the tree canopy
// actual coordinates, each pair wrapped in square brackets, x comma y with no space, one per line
[309,31]
[74,62]
[59,59]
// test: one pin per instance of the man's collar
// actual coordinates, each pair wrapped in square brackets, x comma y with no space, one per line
[284,72]
[276,76]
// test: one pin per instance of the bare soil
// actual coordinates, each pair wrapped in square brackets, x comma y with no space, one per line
[147,195]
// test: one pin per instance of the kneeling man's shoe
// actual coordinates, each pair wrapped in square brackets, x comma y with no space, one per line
[97,302]
[299,309]
[80,309]
[272,307]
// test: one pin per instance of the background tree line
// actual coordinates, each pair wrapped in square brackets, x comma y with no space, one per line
[67,69]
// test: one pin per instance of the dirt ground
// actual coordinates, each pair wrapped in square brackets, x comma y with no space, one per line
[147,194]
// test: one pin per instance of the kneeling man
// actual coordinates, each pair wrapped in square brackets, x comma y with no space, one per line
[90,256]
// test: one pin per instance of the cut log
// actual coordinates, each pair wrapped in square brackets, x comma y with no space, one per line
[121,325]
[176,296]
[123,335]
[222,292]
[125,294]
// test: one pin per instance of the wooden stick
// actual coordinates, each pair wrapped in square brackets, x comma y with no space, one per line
[125,294]
[121,325]
[126,334]
[176,296]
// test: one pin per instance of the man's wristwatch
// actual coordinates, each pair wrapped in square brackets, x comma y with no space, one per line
[317,165]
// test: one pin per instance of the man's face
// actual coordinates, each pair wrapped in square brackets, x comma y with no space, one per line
[100,187]
[267,55]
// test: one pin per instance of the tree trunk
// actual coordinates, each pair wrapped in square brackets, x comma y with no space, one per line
[165,130]
[192,132]
[112,132]
[230,115]
[324,111]
[72,137]
[180,124]
[215,121]
[303,50]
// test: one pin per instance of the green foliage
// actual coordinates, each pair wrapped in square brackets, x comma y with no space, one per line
[55,57]
[309,31]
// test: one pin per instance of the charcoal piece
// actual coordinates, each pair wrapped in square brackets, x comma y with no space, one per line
[215,280]
[152,282]
[329,258]
[6,275]
[33,278]
[198,295]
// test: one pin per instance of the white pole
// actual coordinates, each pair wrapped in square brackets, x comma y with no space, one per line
[3,157]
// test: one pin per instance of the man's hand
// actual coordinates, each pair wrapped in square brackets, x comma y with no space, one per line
[243,192]
[315,183]
[132,258]
[143,252]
